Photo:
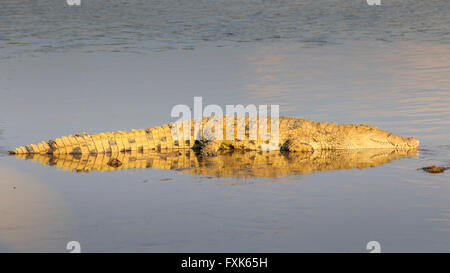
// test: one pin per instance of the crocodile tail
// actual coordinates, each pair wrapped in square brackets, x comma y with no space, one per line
[156,138]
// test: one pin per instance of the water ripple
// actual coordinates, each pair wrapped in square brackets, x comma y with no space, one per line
[53,26]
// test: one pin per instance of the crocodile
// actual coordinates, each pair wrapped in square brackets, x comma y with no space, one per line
[295,135]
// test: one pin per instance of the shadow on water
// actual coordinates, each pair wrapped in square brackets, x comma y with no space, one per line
[235,164]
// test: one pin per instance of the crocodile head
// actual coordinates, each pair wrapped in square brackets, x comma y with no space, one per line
[365,136]
[383,139]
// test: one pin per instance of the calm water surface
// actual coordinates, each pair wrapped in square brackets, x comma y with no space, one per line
[104,67]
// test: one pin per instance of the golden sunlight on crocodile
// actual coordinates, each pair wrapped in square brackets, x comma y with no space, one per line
[295,135]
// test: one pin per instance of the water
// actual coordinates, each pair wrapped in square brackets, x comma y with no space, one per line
[65,70]
[137,26]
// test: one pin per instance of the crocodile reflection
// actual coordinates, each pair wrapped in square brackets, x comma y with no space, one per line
[232,164]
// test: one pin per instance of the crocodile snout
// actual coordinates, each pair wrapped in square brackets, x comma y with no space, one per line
[412,142]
